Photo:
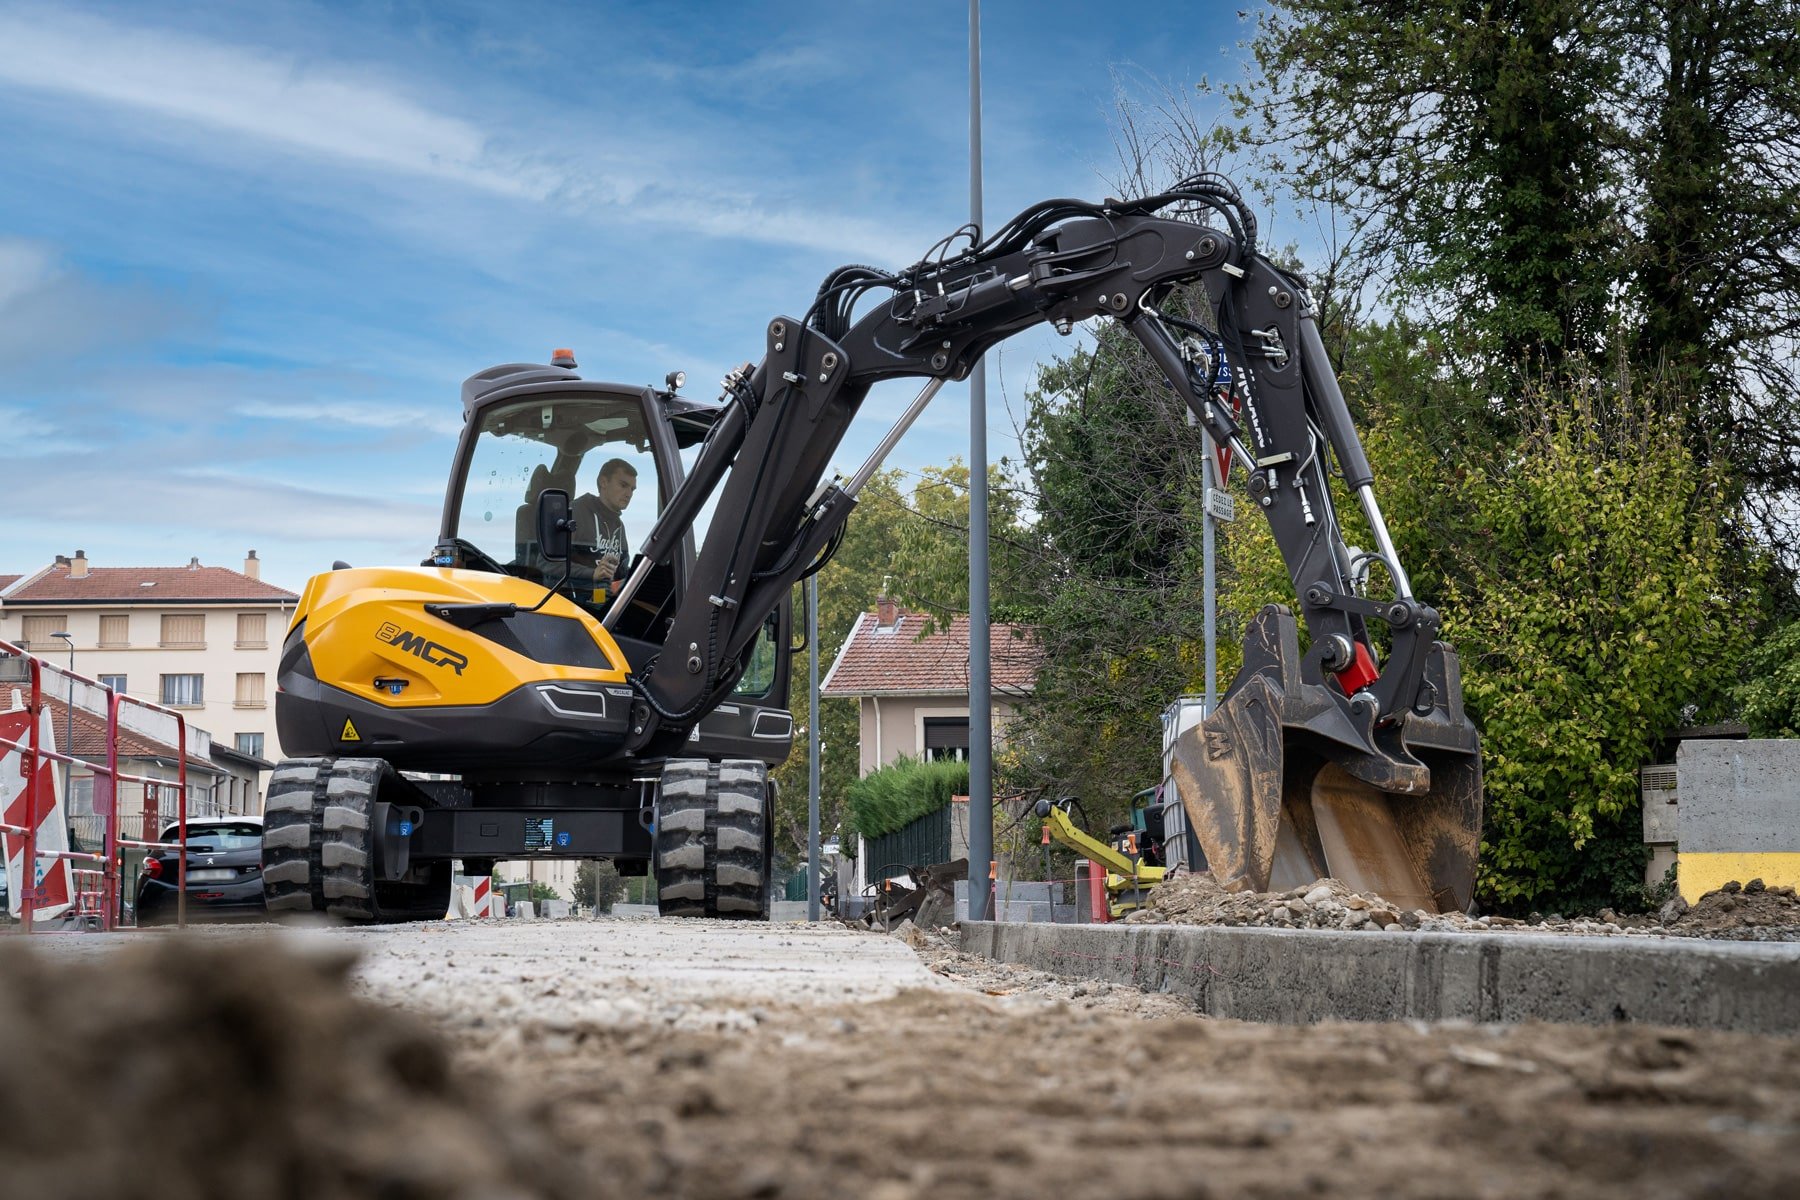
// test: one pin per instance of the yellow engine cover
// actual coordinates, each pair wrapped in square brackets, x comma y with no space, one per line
[364,624]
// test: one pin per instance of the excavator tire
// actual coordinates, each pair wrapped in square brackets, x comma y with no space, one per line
[318,856]
[713,839]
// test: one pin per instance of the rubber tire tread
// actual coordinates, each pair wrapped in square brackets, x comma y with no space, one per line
[334,799]
[699,799]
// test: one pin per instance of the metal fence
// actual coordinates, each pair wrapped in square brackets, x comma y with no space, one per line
[47,871]
[922,843]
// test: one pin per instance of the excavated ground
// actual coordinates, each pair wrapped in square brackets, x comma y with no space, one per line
[250,1065]
[1737,911]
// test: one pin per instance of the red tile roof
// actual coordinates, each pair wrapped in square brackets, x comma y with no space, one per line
[7,581]
[90,732]
[904,660]
[143,585]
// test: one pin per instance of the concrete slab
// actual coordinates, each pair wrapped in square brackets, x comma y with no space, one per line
[1293,976]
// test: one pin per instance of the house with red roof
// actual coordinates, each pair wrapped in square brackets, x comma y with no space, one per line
[202,640]
[910,676]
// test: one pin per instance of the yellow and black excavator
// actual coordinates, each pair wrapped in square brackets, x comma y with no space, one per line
[587,676]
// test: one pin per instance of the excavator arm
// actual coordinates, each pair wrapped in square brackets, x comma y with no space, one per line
[778,516]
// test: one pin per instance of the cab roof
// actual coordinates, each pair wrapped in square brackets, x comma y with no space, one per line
[691,419]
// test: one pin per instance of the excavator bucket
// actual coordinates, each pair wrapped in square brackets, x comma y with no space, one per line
[1286,782]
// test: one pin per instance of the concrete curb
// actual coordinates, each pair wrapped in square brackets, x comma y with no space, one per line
[1296,976]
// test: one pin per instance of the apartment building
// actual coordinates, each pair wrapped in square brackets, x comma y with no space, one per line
[199,639]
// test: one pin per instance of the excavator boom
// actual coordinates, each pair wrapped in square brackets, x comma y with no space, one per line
[1407,759]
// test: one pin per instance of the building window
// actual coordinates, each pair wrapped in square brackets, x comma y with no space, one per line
[183,691]
[250,690]
[36,634]
[947,739]
[253,631]
[251,744]
[184,631]
[115,682]
[115,630]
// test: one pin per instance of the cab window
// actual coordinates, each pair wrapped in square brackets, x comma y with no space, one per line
[597,449]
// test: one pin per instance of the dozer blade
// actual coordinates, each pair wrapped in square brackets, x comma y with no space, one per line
[1286,782]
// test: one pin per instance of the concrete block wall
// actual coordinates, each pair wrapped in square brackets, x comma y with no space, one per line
[1739,816]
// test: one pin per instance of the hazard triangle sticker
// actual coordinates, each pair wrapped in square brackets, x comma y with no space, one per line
[349,734]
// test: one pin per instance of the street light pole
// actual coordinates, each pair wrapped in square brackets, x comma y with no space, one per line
[981,698]
[69,739]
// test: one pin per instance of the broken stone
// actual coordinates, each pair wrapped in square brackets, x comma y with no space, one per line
[1754,886]
[1318,895]
[1732,888]
[1354,901]
[1355,918]
[1383,916]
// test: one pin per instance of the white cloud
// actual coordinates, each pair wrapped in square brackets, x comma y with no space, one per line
[23,267]
[326,413]
[359,117]
[314,110]
[49,313]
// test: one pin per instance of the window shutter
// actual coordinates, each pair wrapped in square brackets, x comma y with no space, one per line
[250,689]
[252,630]
[38,630]
[115,630]
[184,629]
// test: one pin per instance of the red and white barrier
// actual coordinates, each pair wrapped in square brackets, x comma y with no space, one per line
[54,879]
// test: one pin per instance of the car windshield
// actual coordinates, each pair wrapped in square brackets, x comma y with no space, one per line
[218,839]
[595,448]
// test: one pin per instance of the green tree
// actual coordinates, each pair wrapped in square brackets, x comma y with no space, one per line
[1769,696]
[1597,600]
[1118,611]
[1540,178]
[907,539]
[598,885]
[1466,144]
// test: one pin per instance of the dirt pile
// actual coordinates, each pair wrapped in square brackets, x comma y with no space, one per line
[1321,904]
[1744,912]
[243,1071]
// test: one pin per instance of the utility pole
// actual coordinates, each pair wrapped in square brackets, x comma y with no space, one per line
[981,706]
[812,748]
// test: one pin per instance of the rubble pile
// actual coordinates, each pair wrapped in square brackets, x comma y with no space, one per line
[1748,911]
[1322,904]
[1741,911]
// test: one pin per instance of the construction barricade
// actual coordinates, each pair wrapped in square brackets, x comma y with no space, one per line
[47,879]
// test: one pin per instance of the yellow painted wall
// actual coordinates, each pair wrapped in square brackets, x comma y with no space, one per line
[1698,874]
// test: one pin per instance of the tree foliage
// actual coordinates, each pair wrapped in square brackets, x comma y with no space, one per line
[894,796]
[909,540]
[1539,177]
[1597,605]
[1119,611]
[597,885]
[1768,698]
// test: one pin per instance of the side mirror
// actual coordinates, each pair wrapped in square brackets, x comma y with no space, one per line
[553,532]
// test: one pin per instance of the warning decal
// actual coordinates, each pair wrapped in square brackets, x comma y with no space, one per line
[349,734]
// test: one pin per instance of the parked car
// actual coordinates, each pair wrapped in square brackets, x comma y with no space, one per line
[224,872]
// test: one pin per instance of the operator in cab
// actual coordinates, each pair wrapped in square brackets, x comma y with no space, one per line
[599,521]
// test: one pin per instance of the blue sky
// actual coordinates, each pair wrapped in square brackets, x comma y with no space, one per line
[249,252]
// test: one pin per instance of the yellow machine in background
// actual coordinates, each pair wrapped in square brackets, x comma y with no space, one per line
[1128,878]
